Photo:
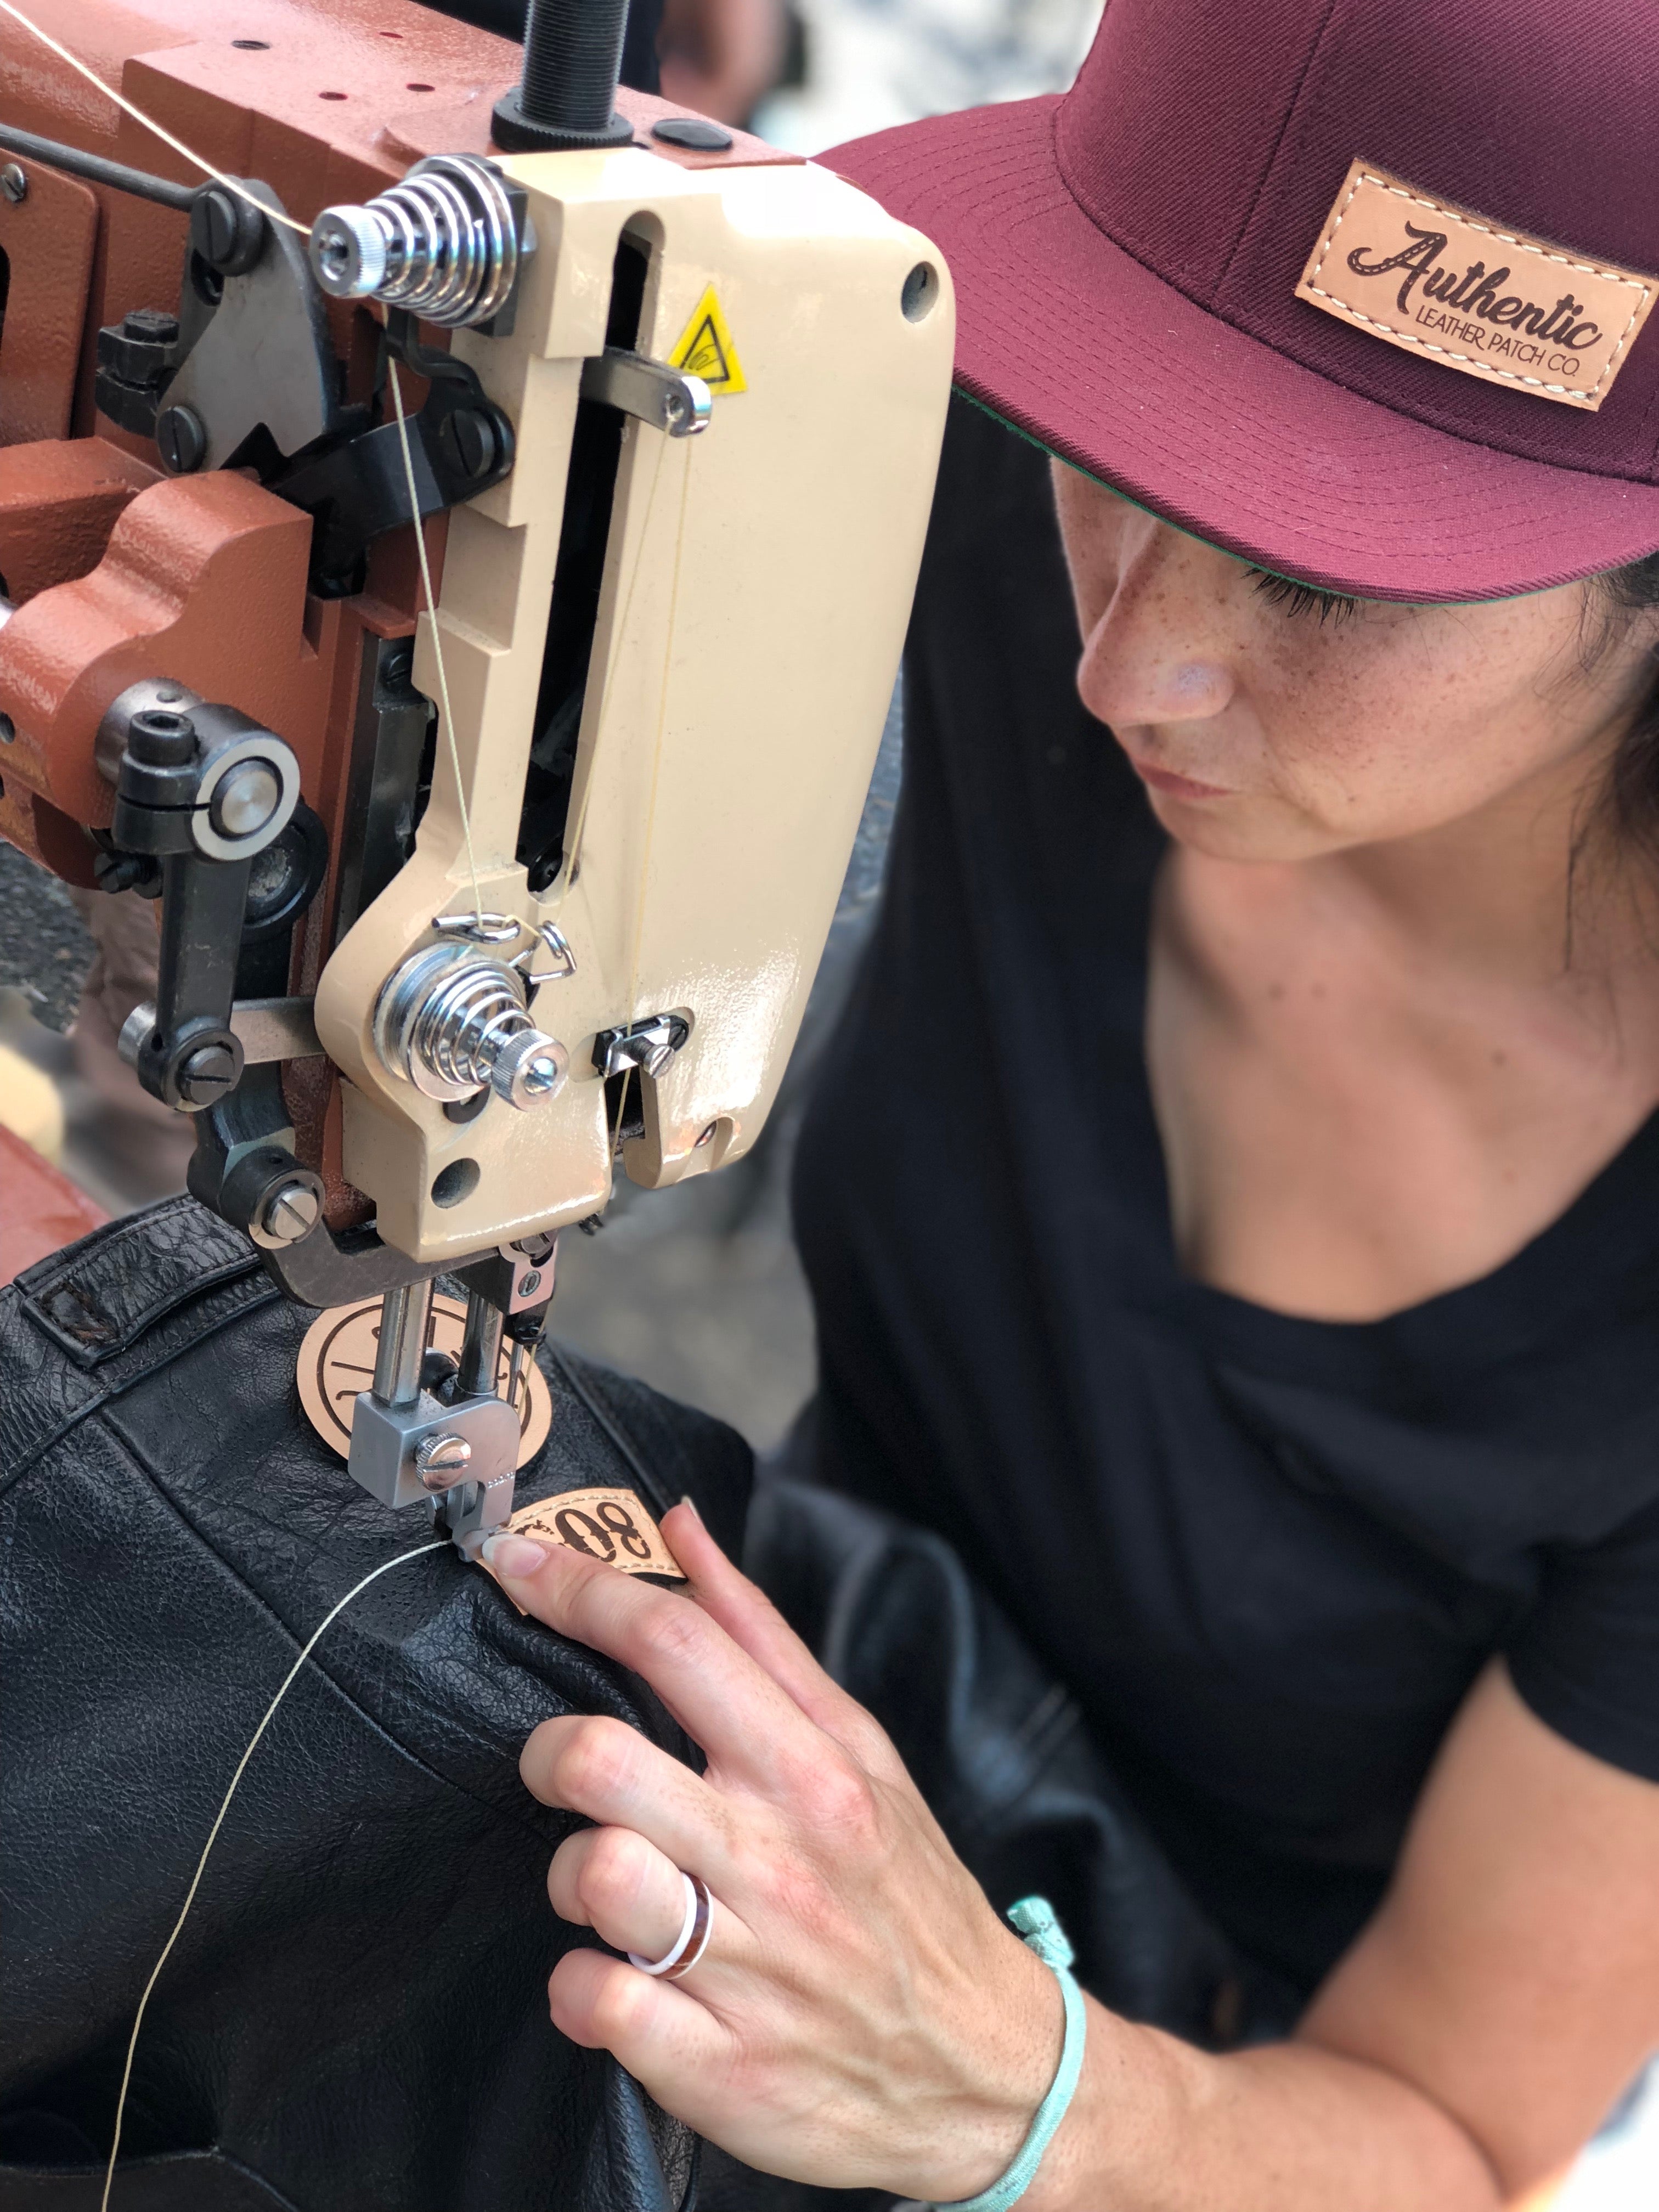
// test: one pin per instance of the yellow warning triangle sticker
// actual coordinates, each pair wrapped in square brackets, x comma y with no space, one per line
[706,348]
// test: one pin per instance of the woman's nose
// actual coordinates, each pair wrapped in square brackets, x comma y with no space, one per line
[1158,653]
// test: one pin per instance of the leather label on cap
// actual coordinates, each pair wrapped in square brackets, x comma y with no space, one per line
[1417,271]
[608,1524]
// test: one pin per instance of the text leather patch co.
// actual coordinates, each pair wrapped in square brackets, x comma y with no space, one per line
[1418,272]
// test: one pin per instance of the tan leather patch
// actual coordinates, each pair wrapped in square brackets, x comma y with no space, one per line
[606,1524]
[1417,271]
[336,1361]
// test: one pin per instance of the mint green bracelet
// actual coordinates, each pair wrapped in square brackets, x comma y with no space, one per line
[1033,1919]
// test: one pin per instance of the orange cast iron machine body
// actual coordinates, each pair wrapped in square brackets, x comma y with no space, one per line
[121,571]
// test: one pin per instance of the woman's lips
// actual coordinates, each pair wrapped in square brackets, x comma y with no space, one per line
[1178,787]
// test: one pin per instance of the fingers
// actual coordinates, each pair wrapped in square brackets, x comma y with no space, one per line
[719,1694]
[621,1886]
[754,1623]
[636,1899]
[607,1770]
[658,2030]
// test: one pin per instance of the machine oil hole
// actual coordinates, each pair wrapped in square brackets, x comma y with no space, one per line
[456,1182]
[252,45]
[921,290]
[330,95]
[420,87]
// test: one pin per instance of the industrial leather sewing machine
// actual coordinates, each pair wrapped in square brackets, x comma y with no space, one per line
[458,908]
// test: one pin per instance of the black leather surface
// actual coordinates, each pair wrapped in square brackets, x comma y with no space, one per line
[355,2013]
[999,1751]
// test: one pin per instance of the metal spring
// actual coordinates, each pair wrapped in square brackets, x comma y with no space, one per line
[464,1023]
[443,243]
[453,1021]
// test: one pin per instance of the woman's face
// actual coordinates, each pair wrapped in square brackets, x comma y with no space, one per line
[1270,724]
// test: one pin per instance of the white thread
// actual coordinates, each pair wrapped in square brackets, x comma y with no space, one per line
[437,635]
[574,841]
[333,1613]
[656,749]
[673,1956]
[1582,397]
[149,122]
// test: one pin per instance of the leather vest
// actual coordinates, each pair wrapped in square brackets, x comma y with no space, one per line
[356,2012]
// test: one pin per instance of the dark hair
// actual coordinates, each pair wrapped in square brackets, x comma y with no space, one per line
[1629,802]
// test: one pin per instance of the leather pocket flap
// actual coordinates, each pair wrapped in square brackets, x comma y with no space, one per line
[96,1298]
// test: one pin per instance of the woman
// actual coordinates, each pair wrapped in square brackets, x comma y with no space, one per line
[1233,1220]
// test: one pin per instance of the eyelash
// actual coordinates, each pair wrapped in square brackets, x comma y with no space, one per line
[1305,599]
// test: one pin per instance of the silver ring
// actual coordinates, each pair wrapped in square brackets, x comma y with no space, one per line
[693,1939]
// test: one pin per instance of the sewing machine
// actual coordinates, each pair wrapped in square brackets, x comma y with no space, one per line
[460,907]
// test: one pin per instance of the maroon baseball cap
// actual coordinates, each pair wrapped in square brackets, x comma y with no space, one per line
[1353,288]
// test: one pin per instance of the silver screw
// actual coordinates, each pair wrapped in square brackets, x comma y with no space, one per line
[246,799]
[14,183]
[530,1284]
[348,252]
[290,1213]
[440,1461]
[529,1069]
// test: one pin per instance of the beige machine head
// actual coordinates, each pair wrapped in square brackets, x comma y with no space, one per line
[604,939]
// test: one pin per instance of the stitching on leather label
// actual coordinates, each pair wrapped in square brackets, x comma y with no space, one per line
[608,1523]
[1417,271]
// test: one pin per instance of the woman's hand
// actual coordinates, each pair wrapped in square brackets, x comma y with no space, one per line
[861,2016]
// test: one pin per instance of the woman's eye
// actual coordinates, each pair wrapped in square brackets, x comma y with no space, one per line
[1303,598]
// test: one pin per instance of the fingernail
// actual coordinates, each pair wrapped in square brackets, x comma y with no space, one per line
[690,1505]
[517,1556]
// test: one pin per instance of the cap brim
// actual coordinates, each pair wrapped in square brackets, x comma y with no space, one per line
[1077,344]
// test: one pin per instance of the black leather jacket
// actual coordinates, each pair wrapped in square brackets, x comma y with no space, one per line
[355,2015]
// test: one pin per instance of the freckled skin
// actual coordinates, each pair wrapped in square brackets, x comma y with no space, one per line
[1377,1071]
[1330,734]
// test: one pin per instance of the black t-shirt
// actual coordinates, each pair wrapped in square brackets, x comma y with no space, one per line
[1267,1555]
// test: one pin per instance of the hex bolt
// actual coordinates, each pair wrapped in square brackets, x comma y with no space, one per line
[245,798]
[14,183]
[149,326]
[290,1213]
[182,436]
[441,1461]
[208,1073]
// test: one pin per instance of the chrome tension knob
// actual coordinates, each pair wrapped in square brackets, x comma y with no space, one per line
[453,1019]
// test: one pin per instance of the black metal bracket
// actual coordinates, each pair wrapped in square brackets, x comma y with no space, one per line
[460,443]
[333,1267]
